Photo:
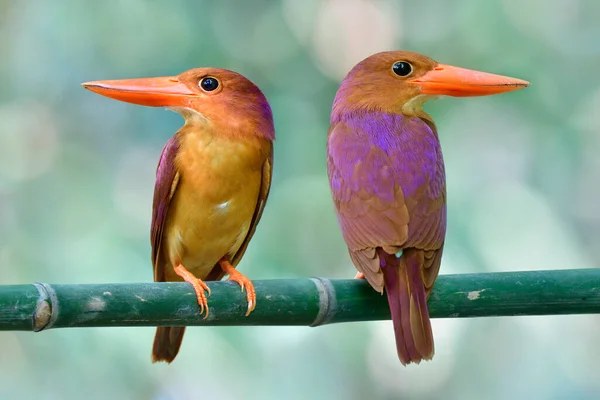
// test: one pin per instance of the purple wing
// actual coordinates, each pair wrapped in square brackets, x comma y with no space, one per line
[167,179]
[388,185]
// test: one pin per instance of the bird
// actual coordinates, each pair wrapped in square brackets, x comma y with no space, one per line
[388,183]
[212,180]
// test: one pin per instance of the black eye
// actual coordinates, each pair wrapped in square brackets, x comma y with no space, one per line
[209,84]
[402,68]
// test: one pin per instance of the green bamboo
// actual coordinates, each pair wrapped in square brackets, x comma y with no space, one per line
[309,302]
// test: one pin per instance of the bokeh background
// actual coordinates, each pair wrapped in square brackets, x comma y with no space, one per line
[77,176]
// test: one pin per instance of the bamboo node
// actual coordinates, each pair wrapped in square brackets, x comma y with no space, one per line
[327,301]
[44,313]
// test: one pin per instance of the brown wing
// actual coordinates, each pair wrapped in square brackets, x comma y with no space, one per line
[167,178]
[433,260]
[388,190]
[217,273]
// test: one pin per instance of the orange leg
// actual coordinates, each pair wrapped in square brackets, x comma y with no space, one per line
[198,285]
[243,281]
[359,275]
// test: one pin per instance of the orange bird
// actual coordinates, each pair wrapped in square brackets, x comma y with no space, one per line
[212,180]
[388,183]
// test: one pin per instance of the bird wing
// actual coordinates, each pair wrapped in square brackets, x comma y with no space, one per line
[388,193]
[267,169]
[167,178]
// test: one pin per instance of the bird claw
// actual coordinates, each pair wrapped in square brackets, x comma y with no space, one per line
[244,282]
[359,275]
[199,288]
[247,285]
[203,303]
[251,306]
[202,298]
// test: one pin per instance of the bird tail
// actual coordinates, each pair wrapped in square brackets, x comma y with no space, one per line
[167,342]
[403,278]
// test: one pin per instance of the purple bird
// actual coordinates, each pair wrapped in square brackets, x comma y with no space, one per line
[388,183]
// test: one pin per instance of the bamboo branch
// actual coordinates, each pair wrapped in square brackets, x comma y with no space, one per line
[308,302]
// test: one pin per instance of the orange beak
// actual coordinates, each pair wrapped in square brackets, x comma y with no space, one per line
[153,92]
[460,82]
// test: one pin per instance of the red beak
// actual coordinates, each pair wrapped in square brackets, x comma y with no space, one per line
[154,92]
[460,82]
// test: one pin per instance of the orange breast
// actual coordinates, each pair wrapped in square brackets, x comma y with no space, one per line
[212,209]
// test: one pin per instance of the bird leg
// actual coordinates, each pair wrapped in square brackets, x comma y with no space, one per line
[198,285]
[359,275]
[243,281]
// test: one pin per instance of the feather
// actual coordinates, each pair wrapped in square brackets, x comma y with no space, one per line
[388,184]
[167,340]
[167,179]
[408,304]
[217,273]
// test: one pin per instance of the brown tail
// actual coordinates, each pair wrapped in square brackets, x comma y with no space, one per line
[167,342]
[405,290]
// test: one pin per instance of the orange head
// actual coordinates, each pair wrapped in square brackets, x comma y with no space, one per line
[223,98]
[401,81]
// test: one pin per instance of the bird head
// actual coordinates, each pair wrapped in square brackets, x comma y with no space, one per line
[220,97]
[401,82]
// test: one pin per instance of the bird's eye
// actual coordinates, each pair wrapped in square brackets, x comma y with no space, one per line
[209,84]
[402,68]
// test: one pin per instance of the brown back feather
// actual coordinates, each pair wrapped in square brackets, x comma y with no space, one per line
[167,178]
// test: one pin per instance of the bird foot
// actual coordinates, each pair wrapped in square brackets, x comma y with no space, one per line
[198,285]
[359,275]
[243,281]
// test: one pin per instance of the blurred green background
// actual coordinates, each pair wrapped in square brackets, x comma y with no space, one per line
[77,176]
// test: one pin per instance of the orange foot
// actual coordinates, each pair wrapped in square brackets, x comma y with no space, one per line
[198,285]
[243,281]
[359,275]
